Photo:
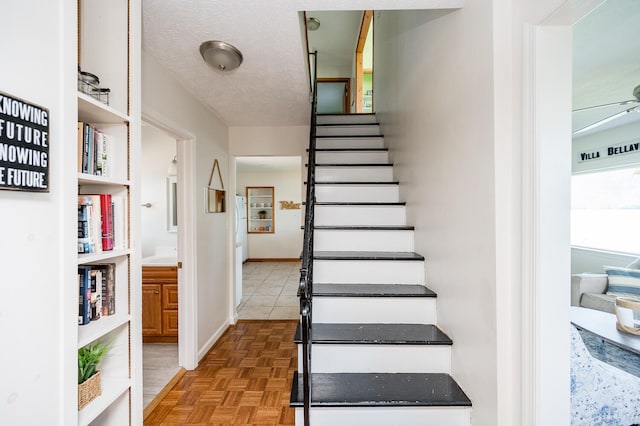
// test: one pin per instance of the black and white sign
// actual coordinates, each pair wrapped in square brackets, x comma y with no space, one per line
[632,147]
[24,145]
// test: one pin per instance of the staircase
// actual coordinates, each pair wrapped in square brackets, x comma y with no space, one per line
[377,356]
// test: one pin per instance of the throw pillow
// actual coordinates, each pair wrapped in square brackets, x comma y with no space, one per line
[623,281]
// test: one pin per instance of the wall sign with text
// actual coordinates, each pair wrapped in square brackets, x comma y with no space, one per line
[632,147]
[24,145]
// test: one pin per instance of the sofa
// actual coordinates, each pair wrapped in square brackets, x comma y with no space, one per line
[599,291]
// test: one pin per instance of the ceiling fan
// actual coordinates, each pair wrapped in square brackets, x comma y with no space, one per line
[634,108]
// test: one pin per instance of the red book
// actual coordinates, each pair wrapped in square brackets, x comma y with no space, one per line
[106,216]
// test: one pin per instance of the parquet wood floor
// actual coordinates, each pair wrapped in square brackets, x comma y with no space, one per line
[245,379]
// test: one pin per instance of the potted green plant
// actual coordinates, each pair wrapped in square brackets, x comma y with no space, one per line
[89,386]
[262,214]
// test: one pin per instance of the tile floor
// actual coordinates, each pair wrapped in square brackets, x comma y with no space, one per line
[269,290]
[160,364]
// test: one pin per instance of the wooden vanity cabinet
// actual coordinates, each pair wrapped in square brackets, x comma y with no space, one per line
[159,304]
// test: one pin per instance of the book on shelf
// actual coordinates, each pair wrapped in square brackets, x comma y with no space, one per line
[84,299]
[95,277]
[96,218]
[106,218]
[97,292]
[86,233]
[94,150]
[108,288]
[120,228]
[89,224]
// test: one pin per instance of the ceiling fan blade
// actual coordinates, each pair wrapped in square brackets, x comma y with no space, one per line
[623,103]
[606,120]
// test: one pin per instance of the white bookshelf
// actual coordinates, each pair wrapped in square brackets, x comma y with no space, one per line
[109,47]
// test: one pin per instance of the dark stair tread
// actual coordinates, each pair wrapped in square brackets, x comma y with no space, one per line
[382,334]
[364,228]
[348,136]
[371,290]
[380,389]
[350,149]
[353,165]
[346,124]
[367,255]
[359,203]
[395,182]
[348,114]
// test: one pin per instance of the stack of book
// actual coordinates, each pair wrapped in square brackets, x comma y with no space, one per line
[97,292]
[94,149]
[101,223]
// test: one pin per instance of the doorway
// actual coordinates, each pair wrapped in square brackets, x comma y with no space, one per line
[159,234]
[266,281]
[333,95]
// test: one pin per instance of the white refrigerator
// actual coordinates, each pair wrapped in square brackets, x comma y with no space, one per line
[242,249]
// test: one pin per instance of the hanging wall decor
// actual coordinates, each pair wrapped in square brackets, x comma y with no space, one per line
[215,199]
[24,145]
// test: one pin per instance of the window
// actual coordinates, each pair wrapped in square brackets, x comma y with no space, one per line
[605,210]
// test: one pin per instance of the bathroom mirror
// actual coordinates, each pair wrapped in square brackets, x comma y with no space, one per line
[172,203]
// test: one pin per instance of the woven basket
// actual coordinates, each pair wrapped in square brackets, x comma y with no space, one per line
[89,390]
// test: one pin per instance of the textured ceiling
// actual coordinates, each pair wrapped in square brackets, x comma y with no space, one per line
[335,40]
[606,61]
[271,86]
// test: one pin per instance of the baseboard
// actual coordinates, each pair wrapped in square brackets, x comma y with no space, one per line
[212,341]
[273,259]
[164,392]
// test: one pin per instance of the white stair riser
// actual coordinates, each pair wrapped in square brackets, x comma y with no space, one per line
[354,174]
[386,416]
[404,310]
[362,130]
[358,193]
[352,157]
[368,271]
[362,240]
[347,119]
[360,215]
[328,358]
[333,143]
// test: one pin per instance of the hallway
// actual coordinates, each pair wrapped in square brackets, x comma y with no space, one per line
[244,379]
[269,291]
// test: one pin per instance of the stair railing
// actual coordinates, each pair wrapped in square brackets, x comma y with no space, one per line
[305,289]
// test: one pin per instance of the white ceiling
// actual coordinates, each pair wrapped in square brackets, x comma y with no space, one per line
[606,61]
[336,39]
[271,86]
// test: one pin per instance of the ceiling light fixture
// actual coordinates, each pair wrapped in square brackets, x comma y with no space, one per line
[313,24]
[220,55]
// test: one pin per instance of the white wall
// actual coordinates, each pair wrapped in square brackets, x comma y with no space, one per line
[166,101]
[437,119]
[158,149]
[591,260]
[268,141]
[488,85]
[286,241]
[38,307]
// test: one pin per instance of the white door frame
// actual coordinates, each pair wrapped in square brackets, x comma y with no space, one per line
[546,182]
[187,297]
